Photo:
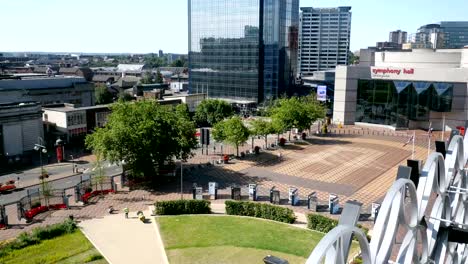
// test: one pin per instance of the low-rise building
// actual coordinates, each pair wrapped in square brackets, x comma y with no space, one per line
[192,100]
[420,89]
[71,122]
[20,128]
[47,90]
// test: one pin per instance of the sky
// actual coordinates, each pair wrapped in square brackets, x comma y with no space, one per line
[145,26]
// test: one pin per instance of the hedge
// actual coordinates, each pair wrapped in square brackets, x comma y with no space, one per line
[325,224]
[179,207]
[37,235]
[260,210]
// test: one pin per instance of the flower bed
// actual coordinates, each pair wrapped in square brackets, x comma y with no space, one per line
[57,206]
[7,188]
[88,195]
[35,211]
[40,209]
[3,226]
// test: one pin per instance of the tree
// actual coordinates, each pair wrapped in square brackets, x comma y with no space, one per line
[231,131]
[211,111]
[262,128]
[123,96]
[145,135]
[353,59]
[294,112]
[147,78]
[98,175]
[178,63]
[159,77]
[103,96]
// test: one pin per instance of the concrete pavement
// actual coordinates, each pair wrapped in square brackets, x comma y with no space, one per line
[123,240]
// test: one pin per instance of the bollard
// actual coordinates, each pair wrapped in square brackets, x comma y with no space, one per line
[253,192]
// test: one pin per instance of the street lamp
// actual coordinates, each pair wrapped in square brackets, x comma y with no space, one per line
[41,149]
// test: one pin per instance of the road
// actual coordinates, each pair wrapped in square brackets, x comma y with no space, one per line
[61,176]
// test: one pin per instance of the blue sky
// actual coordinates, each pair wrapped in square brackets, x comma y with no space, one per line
[141,26]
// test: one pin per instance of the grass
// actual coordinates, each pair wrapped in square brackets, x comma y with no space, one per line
[69,248]
[209,238]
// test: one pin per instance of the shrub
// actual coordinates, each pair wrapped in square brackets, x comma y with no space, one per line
[179,207]
[321,223]
[260,210]
[37,235]
[325,224]
[92,258]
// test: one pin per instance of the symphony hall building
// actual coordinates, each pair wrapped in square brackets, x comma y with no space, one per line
[404,90]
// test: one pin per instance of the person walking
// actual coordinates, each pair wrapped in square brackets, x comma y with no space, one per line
[126,212]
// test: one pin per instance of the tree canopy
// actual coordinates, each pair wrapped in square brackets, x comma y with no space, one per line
[262,128]
[232,131]
[145,135]
[212,111]
[296,112]
[148,78]
[103,96]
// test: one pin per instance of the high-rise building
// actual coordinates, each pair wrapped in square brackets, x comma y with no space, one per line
[161,54]
[243,51]
[455,34]
[398,37]
[324,38]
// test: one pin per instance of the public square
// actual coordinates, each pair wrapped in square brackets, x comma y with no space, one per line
[356,165]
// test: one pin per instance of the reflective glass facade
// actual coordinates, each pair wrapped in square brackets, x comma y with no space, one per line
[456,34]
[242,50]
[395,103]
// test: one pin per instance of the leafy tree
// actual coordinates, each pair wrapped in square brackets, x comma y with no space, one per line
[103,96]
[211,111]
[232,131]
[144,134]
[294,112]
[123,96]
[147,78]
[159,77]
[98,175]
[262,128]
[178,63]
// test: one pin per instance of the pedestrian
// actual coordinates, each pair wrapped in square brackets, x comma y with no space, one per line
[126,212]
[18,182]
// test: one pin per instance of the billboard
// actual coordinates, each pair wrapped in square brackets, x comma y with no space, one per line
[322,93]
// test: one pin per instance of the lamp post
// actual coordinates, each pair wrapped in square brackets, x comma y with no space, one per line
[181,180]
[42,149]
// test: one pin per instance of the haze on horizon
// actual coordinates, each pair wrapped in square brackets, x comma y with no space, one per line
[145,26]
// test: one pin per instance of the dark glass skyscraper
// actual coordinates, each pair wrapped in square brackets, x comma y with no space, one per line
[243,51]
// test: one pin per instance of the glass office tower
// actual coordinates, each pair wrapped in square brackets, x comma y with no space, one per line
[243,51]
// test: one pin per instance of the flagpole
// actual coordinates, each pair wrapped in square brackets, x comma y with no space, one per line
[414,139]
[429,134]
[443,128]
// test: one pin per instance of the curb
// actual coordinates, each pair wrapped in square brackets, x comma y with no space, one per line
[158,234]
[94,245]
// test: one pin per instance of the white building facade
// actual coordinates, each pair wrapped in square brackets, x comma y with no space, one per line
[419,89]
[324,38]
[20,128]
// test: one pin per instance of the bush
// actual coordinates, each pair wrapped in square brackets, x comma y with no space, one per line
[260,210]
[92,258]
[179,207]
[321,223]
[325,224]
[37,235]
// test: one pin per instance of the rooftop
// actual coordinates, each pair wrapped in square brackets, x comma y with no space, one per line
[40,82]
[71,107]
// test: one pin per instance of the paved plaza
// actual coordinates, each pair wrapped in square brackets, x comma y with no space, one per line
[354,167]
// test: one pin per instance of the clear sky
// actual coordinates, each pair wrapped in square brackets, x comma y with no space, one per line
[142,26]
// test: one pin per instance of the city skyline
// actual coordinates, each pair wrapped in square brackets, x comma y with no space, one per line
[144,26]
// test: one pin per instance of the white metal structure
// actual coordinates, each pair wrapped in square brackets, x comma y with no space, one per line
[440,200]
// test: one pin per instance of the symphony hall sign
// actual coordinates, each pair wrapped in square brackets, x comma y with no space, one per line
[390,72]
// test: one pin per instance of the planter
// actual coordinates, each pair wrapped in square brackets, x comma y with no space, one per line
[88,195]
[35,211]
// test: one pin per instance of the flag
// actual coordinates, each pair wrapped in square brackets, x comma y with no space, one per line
[411,139]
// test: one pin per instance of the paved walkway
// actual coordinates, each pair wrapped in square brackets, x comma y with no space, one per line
[123,240]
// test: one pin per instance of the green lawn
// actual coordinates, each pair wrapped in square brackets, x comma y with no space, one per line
[70,248]
[231,239]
